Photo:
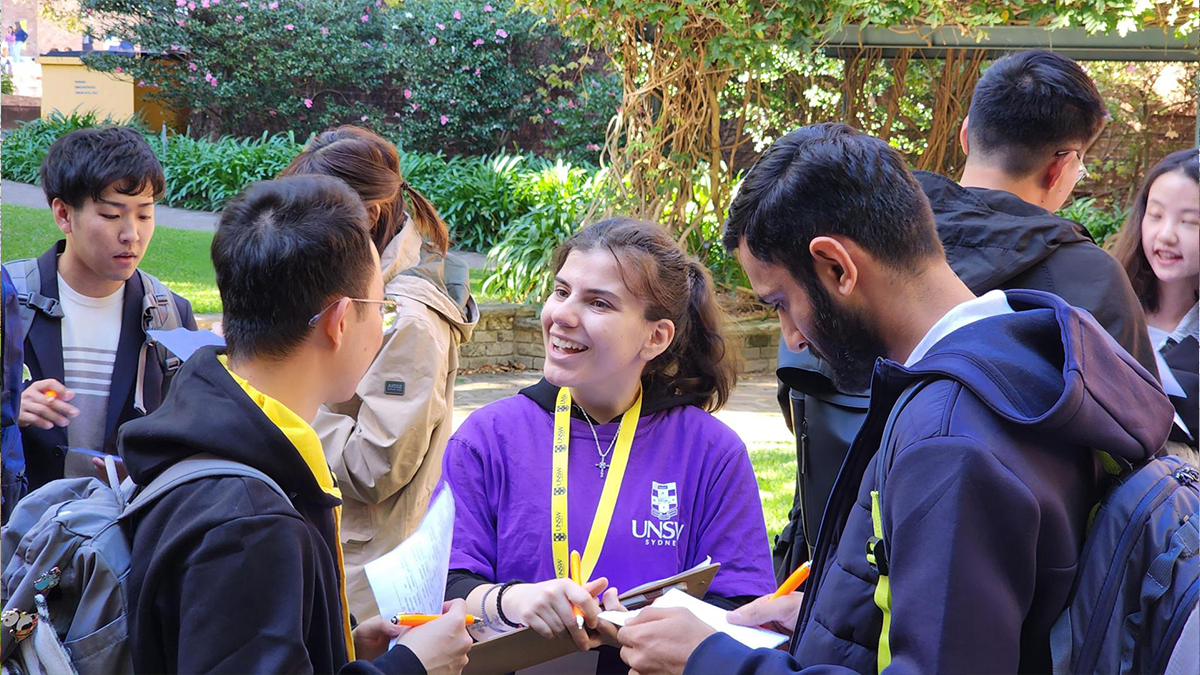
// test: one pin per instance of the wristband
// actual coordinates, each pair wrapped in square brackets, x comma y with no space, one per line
[500,605]
[487,623]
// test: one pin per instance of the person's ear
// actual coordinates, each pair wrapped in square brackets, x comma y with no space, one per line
[662,333]
[834,265]
[63,214]
[1056,171]
[962,135]
[336,323]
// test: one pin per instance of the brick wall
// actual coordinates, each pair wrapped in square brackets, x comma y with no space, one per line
[512,335]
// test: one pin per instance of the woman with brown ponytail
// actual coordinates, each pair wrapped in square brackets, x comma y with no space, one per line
[385,444]
[618,433]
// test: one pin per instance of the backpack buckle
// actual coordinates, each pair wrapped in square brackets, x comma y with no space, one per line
[48,306]
[173,364]
[877,556]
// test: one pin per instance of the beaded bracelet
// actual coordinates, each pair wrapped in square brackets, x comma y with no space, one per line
[483,610]
[500,605]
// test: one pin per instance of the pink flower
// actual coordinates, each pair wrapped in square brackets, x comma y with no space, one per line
[213,82]
[457,15]
[191,6]
[118,69]
[547,111]
[451,101]
[204,4]
[476,71]
[570,104]
[238,18]
[415,107]
[592,146]
[363,118]
[180,22]
[175,48]
[433,41]
[192,66]
[273,5]
[289,27]
[271,113]
[245,4]
[407,93]
[440,26]
[324,30]
[477,42]
[365,18]
[488,8]
[443,119]
[308,103]
[181,3]
[501,33]
[397,113]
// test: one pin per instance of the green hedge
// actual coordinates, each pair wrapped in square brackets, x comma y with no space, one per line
[523,206]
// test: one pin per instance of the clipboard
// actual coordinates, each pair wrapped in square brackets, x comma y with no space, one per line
[524,648]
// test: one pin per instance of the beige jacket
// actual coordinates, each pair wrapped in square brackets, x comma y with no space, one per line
[386,448]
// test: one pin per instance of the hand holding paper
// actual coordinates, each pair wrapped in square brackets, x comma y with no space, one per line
[714,617]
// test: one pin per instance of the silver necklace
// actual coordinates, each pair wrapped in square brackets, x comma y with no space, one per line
[603,463]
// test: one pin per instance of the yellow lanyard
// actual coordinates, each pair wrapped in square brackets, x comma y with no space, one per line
[608,497]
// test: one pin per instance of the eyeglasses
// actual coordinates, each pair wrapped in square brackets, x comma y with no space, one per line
[1083,172]
[384,306]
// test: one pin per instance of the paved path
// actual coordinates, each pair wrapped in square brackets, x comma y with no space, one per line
[22,194]
[752,411]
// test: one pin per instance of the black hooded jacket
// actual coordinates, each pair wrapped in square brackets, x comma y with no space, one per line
[226,575]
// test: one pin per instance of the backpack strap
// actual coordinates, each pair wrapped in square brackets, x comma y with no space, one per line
[202,465]
[27,280]
[159,312]
[877,554]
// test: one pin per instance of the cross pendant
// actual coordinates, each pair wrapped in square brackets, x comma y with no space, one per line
[602,465]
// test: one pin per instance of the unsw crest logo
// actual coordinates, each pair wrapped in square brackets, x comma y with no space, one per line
[664,506]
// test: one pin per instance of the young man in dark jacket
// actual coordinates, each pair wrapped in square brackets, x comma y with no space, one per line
[227,575]
[987,498]
[1032,118]
[84,346]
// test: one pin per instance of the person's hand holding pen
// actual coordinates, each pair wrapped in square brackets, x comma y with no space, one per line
[441,644]
[44,405]
[548,608]
[778,611]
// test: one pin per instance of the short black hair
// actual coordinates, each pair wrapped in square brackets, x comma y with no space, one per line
[1029,105]
[830,179]
[285,249]
[85,162]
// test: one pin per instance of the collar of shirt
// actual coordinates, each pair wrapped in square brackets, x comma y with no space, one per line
[993,303]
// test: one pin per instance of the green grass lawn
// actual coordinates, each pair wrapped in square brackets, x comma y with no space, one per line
[178,257]
[775,467]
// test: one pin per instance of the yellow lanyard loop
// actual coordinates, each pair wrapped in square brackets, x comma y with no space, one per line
[608,497]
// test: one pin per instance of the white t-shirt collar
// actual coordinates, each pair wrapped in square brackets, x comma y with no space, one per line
[993,303]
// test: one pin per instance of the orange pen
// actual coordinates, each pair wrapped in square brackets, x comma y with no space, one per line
[793,582]
[422,619]
[576,576]
[51,395]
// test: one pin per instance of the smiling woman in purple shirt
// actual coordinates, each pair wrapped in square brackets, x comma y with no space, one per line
[614,453]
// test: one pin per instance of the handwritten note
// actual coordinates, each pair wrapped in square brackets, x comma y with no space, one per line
[754,638]
[411,578]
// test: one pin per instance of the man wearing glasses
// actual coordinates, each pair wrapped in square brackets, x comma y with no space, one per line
[1032,119]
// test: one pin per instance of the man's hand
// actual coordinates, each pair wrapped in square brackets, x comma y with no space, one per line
[659,641]
[778,615]
[605,632]
[371,637]
[102,471]
[442,645]
[45,410]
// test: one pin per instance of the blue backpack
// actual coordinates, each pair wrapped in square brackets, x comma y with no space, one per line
[1138,579]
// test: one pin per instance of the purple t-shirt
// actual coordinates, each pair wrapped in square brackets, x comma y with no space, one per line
[689,492]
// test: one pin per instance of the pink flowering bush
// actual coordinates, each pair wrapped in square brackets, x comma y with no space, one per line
[457,76]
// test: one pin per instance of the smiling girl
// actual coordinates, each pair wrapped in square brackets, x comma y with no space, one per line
[1160,250]
[644,482]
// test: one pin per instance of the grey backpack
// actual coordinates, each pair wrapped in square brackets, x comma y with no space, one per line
[65,558]
[159,312]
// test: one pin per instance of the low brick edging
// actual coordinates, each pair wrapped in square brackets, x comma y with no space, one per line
[511,335]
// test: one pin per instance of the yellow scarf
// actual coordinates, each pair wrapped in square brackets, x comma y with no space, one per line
[308,444]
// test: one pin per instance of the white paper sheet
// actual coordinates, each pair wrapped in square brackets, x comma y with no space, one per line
[754,638]
[411,578]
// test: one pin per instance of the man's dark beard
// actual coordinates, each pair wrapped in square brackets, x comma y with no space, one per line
[846,340]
